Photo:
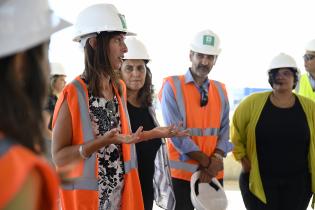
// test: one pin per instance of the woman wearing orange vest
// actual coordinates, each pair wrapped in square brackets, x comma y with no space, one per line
[92,144]
[26,180]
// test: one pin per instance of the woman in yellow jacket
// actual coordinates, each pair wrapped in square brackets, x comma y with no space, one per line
[273,134]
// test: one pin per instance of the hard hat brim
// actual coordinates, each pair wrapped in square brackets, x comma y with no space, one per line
[204,51]
[15,44]
[78,38]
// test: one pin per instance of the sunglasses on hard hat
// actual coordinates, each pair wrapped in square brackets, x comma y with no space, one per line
[308,57]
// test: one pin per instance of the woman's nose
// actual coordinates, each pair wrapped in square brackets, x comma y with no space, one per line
[135,72]
[124,47]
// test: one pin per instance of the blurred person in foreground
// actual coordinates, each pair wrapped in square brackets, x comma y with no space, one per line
[273,134]
[26,180]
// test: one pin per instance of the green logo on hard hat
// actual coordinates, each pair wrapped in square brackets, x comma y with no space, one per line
[208,40]
[123,21]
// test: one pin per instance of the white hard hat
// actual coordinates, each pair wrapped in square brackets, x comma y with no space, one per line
[310,46]
[98,18]
[136,49]
[282,61]
[206,42]
[57,69]
[208,197]
[25,24]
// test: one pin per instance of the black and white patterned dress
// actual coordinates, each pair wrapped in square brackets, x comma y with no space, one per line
[104,116]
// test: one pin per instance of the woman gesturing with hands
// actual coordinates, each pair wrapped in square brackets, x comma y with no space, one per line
[92,140]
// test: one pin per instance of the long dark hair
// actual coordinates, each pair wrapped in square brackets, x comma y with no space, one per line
[96,61]
[22,93]
[145,94]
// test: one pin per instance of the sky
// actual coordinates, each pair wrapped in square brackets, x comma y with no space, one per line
[252,32]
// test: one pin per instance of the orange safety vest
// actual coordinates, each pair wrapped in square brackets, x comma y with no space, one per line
[202,122]
[16,163]
[81,190]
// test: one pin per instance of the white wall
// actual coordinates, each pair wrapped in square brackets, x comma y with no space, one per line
[251,32]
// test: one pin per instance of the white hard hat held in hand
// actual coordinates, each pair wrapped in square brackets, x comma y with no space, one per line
[206,42]
[25,24]
[136,49]
[205,196]
[97,18]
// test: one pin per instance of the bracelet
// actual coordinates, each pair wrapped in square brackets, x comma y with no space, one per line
[81,153]
[217,156]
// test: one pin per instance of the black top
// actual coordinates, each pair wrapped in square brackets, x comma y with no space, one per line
[146,151]
[282,138]
[50,107]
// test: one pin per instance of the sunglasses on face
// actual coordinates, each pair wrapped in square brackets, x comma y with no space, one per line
[204,98]
[308,57]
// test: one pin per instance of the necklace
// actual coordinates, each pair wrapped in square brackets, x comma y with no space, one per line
[282,102]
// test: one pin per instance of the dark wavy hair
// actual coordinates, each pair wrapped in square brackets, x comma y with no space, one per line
[23,92]
[96,61]
[273,72]
[145,94]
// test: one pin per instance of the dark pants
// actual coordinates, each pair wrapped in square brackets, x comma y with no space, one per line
[182,194]
[284,194]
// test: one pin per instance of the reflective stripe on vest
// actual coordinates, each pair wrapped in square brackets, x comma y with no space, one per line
[5,145]
[181,106]
[88,181]
[183,166]
[204,131]
[180,99]
[132,163]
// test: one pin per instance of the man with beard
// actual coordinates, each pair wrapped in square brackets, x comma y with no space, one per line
[202,106]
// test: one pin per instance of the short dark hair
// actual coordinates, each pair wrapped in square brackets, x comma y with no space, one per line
[272,74]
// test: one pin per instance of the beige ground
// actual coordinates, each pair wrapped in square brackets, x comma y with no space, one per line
[233,195]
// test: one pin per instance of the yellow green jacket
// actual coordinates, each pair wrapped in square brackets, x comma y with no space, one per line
[304,87]
[243,136]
